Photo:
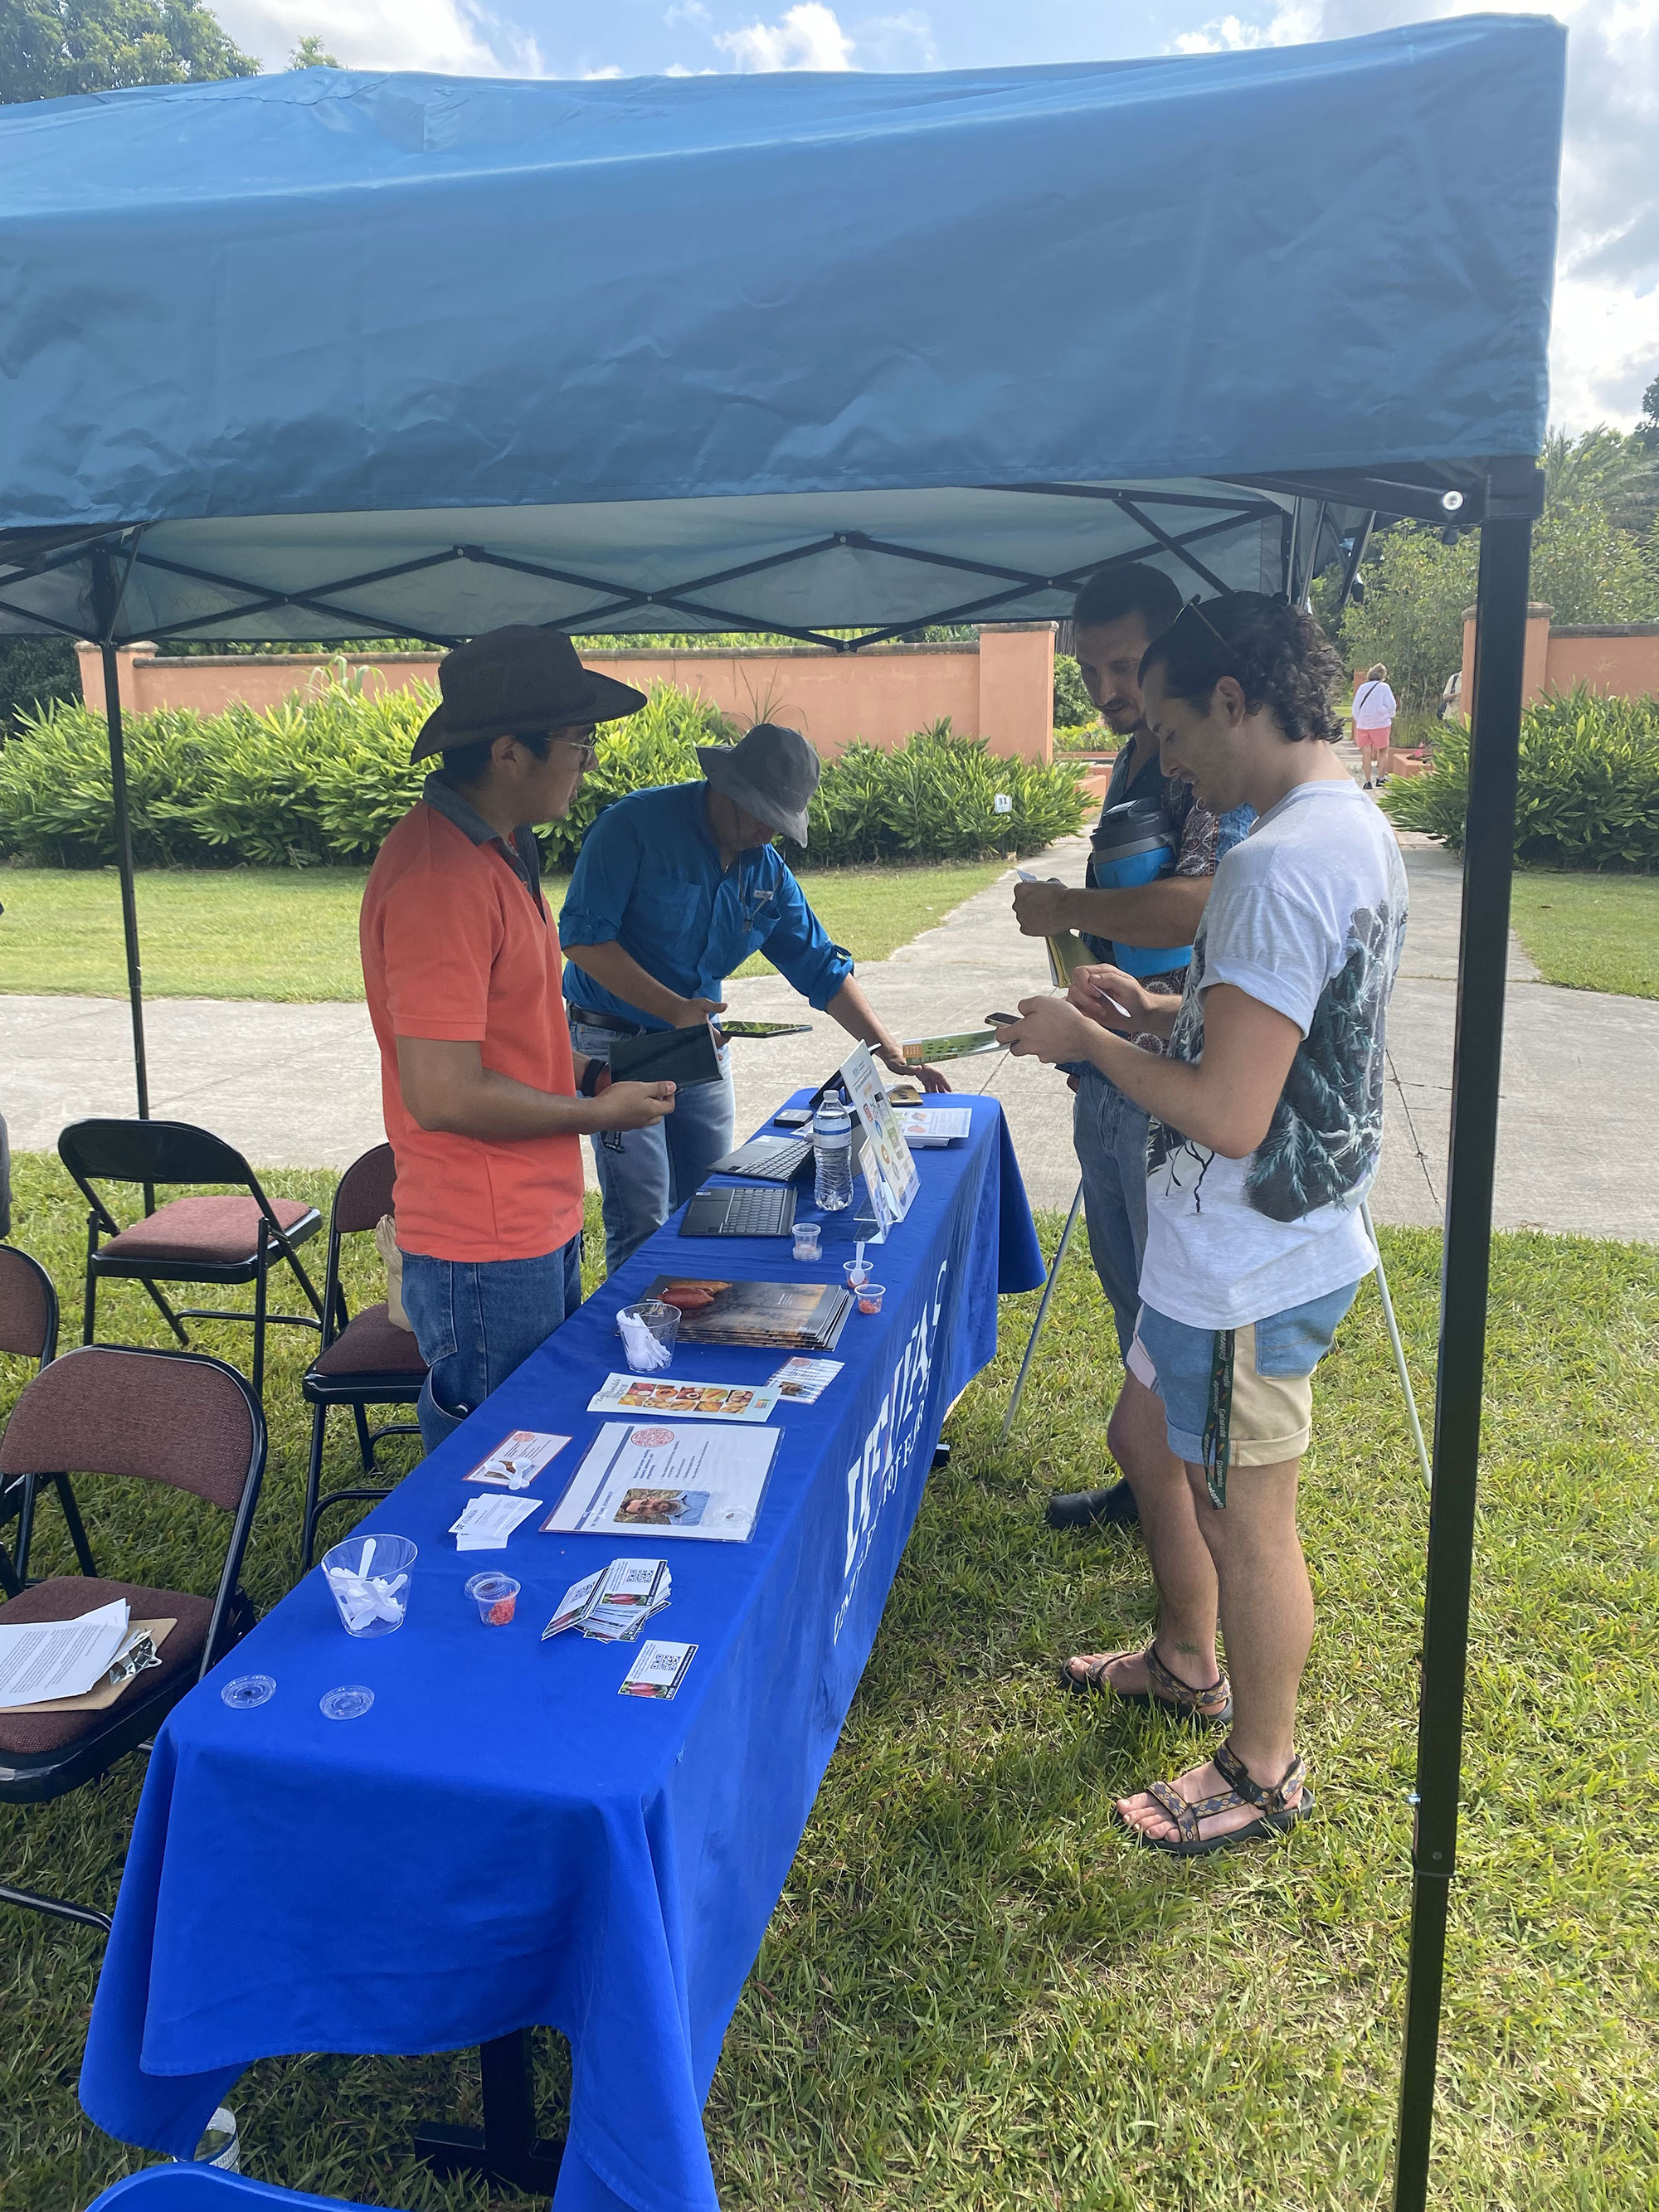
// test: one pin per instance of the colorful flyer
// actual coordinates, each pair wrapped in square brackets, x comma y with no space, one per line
[683,1401]
[804,1382]
[517,1460]
[882,1137]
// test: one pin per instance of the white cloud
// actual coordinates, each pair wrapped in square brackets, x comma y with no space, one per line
[1290,27]
[808,37]
[611,68]
[1605,333]
[450,37]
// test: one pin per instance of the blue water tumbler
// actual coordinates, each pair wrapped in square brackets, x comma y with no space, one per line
[1134,844]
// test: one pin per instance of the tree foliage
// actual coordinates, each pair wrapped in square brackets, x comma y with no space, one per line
[1588,566]
[49,48]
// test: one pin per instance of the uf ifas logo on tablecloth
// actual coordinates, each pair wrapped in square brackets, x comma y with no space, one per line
[890,1448]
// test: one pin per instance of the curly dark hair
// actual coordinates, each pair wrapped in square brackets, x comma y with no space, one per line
[1277,655]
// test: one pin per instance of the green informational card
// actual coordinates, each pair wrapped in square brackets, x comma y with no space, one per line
[732,1029]
[923,1052]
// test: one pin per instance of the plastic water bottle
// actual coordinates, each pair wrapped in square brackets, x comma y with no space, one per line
[832,1149]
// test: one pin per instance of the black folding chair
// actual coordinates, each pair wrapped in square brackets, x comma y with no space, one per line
[365,1359]
[203,1239]
[173,1417]
[28,1329]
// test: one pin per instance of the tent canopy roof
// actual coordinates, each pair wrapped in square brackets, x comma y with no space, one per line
[310,328]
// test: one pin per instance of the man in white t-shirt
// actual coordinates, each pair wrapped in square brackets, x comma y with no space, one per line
[1266,1129]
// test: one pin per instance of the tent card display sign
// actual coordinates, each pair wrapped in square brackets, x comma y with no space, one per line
[889,1169]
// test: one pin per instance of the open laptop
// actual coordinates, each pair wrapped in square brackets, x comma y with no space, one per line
[741,1210]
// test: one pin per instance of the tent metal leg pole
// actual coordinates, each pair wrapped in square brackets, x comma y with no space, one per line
[117,768]
[1400,1368]
[1040,1322]
[1483,957]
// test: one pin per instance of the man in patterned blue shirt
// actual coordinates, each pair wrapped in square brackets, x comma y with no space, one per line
[674,888]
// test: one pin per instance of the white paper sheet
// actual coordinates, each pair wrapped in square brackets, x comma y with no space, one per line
[933,1125]
[651,1478]
[43,1659]
[487,1522]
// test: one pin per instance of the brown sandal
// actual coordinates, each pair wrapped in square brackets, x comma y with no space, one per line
[1276,1814]
[1214,1707]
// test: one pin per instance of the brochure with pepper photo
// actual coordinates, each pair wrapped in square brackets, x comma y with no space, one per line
[781,1316]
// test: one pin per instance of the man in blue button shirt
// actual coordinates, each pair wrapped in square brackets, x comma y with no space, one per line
[674,888]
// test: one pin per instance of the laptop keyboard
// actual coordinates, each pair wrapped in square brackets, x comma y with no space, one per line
[753,1212]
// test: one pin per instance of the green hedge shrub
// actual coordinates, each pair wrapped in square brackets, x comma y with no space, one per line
[324,776]
[1588,790]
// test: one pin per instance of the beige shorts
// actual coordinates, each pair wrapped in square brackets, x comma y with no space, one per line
[1261,1399]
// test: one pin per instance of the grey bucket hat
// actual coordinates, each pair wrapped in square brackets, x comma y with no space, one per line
[771,774]
[508,682]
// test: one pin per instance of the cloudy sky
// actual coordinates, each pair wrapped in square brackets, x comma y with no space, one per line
[1607,305]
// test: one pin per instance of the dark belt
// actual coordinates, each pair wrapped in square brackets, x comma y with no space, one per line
[597,1021]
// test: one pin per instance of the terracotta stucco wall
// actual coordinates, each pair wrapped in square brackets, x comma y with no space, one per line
[1621,660]
[1002,688]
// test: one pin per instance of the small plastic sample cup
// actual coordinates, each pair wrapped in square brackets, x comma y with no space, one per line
[369,1577]
[662,1326]
[808,1240]
[496,1597]
[248,1691]
[857,1272]
[348,1703]
[870,1298]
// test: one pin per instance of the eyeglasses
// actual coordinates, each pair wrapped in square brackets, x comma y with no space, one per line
[586,749]
[1255,602]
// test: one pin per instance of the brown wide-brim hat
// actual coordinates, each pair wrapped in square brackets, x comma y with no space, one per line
[517,682]
[771,774]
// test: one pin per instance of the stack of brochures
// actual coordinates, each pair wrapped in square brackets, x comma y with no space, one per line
[613,1605]
[779,1316]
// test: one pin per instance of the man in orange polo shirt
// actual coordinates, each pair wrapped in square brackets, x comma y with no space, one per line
[485,1103]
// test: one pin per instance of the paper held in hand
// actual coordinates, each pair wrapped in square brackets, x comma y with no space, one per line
[43,1659]
[705,1482]
[886,1156]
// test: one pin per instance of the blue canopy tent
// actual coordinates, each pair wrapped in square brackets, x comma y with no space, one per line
[331,355]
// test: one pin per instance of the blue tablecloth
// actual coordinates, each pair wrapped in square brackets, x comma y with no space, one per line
[503,1841]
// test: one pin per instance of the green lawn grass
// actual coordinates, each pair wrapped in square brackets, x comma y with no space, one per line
[974,1994]
[289,933]
[1592,933]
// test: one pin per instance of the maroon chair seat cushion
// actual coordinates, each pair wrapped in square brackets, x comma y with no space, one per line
[371,1344]
[218,1231]
[66,1597]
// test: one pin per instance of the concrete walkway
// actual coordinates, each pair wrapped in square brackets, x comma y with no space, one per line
[300,1086]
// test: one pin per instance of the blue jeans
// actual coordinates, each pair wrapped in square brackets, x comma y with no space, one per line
[657,1169]
[1109,1132]
[476,1320]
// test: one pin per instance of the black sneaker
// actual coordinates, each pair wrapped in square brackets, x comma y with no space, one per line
[1094,1509]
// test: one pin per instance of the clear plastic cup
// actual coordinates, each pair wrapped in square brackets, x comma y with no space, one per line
[808,1240]
[661,1324]
[857,1272]
[869,1296]
[496,1597]
[369,1577]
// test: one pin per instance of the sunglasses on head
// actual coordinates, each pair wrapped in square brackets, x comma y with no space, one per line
[1252,603]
